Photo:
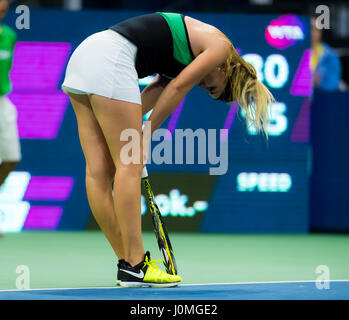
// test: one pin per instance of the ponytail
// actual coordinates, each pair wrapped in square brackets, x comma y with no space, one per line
[249,93]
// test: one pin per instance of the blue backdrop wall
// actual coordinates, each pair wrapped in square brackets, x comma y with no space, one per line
[265,187]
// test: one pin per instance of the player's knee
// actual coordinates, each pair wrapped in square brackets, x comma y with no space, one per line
[102,173]
[130,170]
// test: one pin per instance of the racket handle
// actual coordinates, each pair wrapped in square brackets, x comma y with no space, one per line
[144,172]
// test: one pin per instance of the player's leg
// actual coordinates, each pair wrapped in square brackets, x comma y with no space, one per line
[6,168]
[114,116]
[100,171]
[10,149]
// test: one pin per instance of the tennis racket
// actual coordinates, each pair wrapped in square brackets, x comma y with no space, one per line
[160,228]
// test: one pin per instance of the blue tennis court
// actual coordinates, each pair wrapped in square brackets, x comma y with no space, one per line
[307,290]
[80,266]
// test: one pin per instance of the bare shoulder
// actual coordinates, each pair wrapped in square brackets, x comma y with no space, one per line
[203,35]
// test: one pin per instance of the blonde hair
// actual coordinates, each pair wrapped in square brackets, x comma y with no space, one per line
[249,93]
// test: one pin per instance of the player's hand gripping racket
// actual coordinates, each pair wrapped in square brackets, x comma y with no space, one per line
[159,227]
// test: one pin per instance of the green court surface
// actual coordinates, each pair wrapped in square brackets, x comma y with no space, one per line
[85,259]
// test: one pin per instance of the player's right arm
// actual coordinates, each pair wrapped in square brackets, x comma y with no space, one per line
[151,93]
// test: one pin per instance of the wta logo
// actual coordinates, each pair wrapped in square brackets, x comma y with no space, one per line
[284,31]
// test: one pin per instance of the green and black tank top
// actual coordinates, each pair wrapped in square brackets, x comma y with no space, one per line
[162,43]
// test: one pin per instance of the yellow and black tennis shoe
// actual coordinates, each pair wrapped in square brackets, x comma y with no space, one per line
[145,274]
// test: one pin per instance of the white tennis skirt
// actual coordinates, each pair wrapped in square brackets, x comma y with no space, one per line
[104,64]
[10,148]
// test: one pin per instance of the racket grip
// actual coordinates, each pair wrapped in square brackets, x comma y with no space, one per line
[144,172]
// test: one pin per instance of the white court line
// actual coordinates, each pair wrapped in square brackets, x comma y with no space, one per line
[54,289]
[259,282]
[181,285]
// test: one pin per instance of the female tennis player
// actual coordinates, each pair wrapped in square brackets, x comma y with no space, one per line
[102,83]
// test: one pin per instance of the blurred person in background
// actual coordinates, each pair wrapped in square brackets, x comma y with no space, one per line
[10,151]
[325,63]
